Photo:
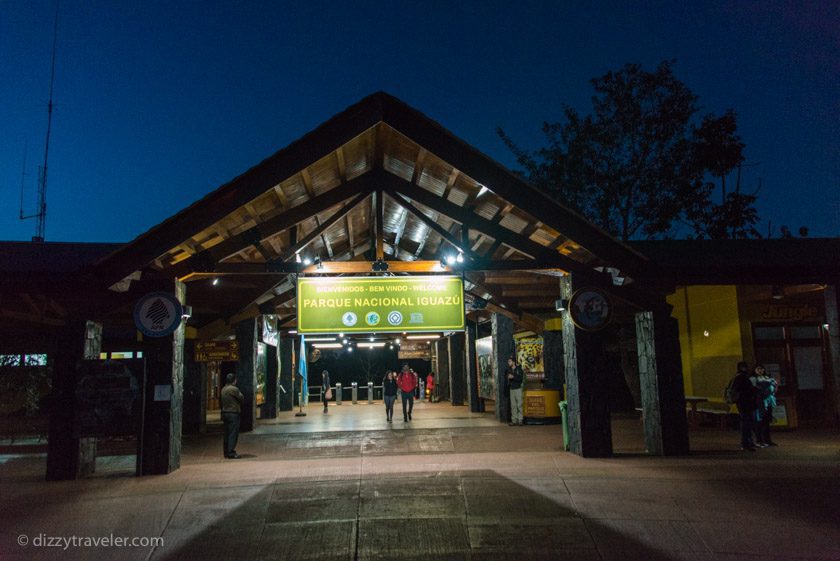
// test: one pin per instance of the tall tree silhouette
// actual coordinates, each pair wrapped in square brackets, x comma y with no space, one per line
[641,164]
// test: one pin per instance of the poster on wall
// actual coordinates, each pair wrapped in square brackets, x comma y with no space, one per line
[529,355]
[484,355]
[269,334]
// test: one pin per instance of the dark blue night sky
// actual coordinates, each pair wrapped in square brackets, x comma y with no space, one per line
[158,103]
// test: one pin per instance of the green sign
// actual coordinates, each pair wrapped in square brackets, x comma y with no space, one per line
[363,304]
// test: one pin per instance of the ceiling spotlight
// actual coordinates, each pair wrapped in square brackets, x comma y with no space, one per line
[307,261]
[215,281]
[297,257]
[450,259]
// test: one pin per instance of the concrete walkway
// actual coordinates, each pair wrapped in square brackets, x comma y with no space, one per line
[449,485]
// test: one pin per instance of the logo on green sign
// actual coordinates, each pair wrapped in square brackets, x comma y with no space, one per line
[358,304]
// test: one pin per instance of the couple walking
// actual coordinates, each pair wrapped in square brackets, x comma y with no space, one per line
[406,382]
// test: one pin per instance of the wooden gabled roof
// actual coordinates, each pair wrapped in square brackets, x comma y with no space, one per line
[379,180]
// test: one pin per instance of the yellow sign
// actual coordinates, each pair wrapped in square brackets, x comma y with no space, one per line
[217,351]
[380,304]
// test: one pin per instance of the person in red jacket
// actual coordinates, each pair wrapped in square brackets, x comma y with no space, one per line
[407,381]
[430,385]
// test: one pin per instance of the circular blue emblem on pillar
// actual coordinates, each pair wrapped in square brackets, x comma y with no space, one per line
[158,314]
[590,308]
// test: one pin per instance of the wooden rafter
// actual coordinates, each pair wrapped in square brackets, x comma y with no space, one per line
[442,232]
[286,220]
[319,231]
[474,221]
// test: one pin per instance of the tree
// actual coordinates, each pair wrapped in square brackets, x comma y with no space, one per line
[641,165]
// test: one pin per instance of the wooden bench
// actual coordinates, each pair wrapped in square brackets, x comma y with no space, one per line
[715,414]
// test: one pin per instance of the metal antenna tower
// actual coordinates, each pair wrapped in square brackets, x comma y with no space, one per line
[41,208]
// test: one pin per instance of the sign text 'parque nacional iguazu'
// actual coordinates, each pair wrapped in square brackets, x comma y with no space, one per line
[362,304]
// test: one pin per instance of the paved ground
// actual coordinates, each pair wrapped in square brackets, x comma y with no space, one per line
[450,485]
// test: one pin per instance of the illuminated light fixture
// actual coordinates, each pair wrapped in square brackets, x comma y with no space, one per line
[341,334]
[371,339]
[292,331]
[307,261]
[482,191]
[777,292]
[215,281]
[318,264]
[349,349]
[423,337]
[316,339]
[450,259]
[372,345]
[329,345]
[460,257]
[706,333]
[297,257]
[345,341]
[397,341]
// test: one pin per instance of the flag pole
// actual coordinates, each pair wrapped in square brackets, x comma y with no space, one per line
[300,412]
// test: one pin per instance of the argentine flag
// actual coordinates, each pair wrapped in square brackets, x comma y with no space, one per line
[304,381]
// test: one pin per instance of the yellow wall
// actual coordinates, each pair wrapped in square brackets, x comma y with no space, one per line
[710,337]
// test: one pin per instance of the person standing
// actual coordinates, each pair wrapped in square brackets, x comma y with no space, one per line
[765,401]
[515,380]
[389,393]
[325,388]
[746,401]
[430,385]
[231,399]
[407,381]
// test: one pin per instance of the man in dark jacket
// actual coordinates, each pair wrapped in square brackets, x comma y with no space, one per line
[231,410]
[747,403]
[515,382]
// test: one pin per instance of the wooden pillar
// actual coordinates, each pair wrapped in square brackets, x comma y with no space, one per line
[660,372]
[503,347]
[832,318]
[457,376]
[471,367]
[272,389]
[286,377]
[246,372]
[160,441]
[68,455]
[442,353]
[555,371]
[590,429]
[195,391]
